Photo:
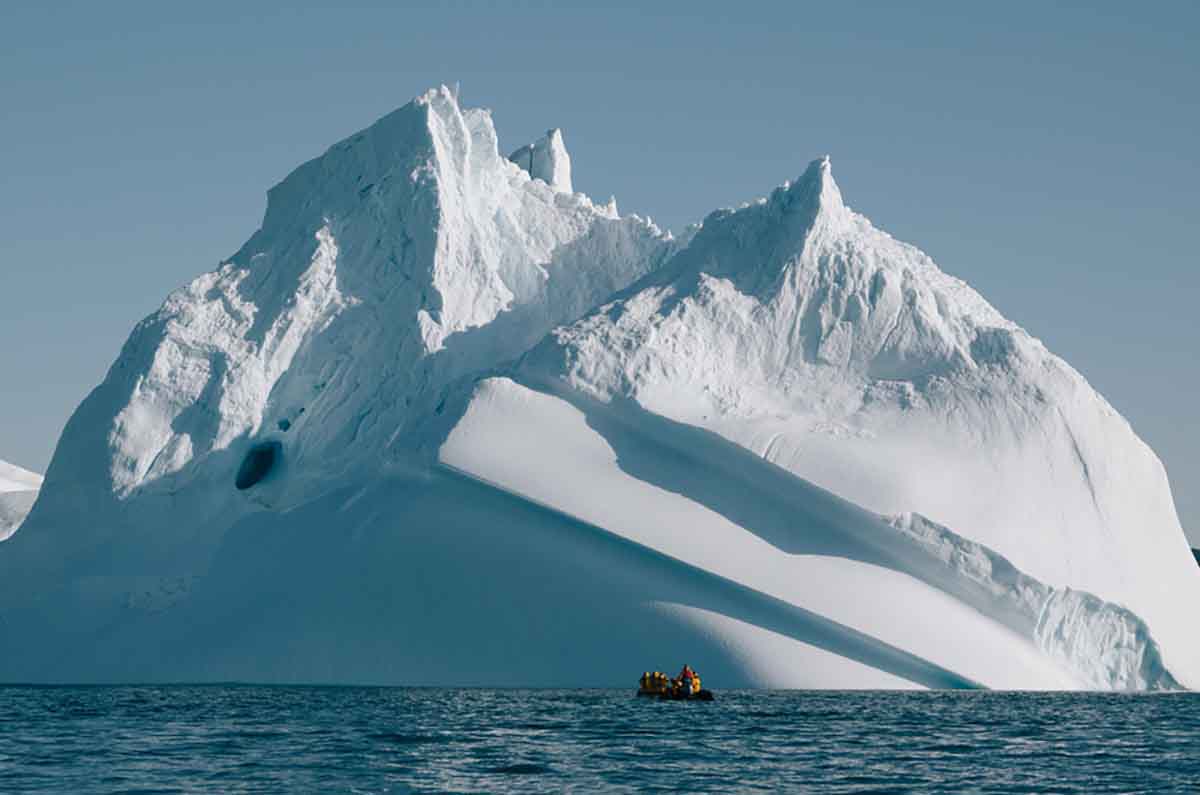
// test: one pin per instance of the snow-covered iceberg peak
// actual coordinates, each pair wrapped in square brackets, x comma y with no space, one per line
[816,190]
[406,256]
[759,244]
[546,159]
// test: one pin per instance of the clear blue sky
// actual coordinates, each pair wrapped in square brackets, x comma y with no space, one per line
[1049,156]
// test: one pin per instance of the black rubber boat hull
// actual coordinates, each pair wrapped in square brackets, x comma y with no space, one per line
[703,695]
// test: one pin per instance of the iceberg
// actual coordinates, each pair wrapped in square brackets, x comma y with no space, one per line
[443,420]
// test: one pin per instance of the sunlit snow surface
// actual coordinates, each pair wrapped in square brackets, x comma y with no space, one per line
[517,438]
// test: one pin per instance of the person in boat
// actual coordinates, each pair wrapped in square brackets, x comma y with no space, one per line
[652,681]
[689,680]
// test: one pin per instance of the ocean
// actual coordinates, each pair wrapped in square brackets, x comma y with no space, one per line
[242,739]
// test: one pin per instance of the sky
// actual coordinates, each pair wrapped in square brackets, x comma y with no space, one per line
[1045,153]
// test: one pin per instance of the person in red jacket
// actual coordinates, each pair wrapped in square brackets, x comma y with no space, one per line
[685,678]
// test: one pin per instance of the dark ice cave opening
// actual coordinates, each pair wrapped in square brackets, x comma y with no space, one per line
[257,464]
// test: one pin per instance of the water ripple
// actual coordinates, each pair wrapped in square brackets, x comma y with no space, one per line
[389,740]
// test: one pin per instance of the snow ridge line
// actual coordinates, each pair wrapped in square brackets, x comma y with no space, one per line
[1106,645]
[777,614]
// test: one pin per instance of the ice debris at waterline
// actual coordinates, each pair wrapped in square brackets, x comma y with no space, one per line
[442,420]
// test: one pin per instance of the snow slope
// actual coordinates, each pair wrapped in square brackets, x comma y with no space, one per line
[442,420]
[691,495]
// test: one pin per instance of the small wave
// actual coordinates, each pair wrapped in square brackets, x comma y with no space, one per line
[521,769]
[399,738]
[542,726]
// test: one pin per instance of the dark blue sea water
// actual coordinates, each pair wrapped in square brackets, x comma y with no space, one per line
[317,739]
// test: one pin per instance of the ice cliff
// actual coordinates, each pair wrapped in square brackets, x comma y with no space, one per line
[546,159]
[442,420]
